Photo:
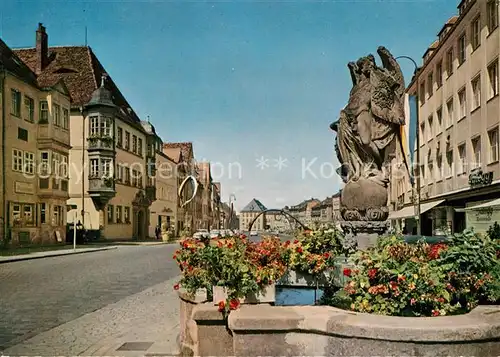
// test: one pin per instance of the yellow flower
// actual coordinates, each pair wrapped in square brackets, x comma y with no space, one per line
[353,306]
[411,286]
[415,276]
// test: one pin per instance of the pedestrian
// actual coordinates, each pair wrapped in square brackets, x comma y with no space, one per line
[157,232]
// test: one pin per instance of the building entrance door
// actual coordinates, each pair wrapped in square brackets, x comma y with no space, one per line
[140,224]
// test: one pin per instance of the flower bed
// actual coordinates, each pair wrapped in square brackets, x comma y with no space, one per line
[401,279]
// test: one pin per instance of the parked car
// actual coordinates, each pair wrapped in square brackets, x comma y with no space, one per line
[201,233]
[254,233]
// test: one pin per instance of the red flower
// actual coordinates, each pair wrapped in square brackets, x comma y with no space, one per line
[401,278]
[372,273]
[435,313]
[222,305]
[326,255]
[176,286]
[296,241]
[347,272]
[219,244]
[243,236]
[287,243]
[229,245]
[299,250]
[233,304]
[174,257]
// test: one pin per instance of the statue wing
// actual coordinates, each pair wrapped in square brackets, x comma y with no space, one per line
[386,102]
[392,66]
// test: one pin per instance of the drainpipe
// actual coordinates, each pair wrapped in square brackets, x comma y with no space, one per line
[5,219]
[83,167]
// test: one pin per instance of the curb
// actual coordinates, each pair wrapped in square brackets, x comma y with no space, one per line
[28,257]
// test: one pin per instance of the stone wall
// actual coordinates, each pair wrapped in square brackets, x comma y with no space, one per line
[188,335]
[265,330]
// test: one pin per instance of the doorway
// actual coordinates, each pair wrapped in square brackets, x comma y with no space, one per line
[140,224]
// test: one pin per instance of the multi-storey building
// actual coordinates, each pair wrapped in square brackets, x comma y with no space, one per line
[325,212]
[276,221]
[35,140]
[205,197]
[108,161]
[249,213]
[217,221]
[458,110]
[303,211]
[163,177]
[183,155]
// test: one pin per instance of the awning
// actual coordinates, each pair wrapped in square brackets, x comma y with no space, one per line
[490,204]
[409,211]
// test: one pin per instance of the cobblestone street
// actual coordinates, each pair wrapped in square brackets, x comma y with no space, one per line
[38,295]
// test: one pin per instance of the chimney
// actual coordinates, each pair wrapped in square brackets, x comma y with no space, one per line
[42,48]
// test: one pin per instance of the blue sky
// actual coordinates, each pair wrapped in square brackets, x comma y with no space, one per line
[241,80]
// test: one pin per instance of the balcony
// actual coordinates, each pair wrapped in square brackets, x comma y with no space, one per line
[101,190]
[47,133]
[100,143]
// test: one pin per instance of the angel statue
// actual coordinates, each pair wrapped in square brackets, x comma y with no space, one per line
[368,130]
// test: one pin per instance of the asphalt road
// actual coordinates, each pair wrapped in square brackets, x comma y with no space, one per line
[37,295]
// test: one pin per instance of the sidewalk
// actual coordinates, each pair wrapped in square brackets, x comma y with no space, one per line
[51,253]
[144,324]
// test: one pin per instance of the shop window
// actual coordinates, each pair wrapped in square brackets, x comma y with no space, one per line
[43,213]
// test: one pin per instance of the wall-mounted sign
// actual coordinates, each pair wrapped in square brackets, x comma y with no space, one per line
[24,187]
[480,178]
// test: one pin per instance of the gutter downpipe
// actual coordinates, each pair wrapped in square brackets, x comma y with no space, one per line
[4,204]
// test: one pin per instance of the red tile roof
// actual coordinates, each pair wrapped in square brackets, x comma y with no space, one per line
[81,72]
[186,148]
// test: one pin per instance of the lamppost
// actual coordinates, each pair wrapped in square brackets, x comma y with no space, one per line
[417,139]
[232,198]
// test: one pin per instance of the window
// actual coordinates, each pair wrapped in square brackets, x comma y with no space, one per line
[430,120]
[462,101]
[94,126]
[476,92]
[450,114]
[126,214]
[475,30]
[439,116]
[56,108]
[139,146]
[476,149]
[430,84]
[462,158]
[106,125]
[17,160]
[65,123]
[43,213]
[462,46]
[449,163]
[422,93]
[127,140]
[110,214]
[439,171]
[58,216]
[22,134]
[94,168]
[44,112]
[64,166]
[44,164]
[134,144]
[493,78]
[439,74]
[119,137]
[134,178]
[492,11]
[107,168]
[16,213]
[422,133]
[430,169]
[29,163]
[493,141]
[29,109]
[56,160]
[29,218]
[449,62]
[118,214]
[16,103]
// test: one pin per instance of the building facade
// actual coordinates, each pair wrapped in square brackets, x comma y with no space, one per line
[162,176]
[459,110]
[107,159]
[303,212]
[249,213]
[36,142]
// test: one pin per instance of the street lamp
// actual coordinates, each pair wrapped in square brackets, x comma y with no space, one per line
[232,198]
[417,139]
